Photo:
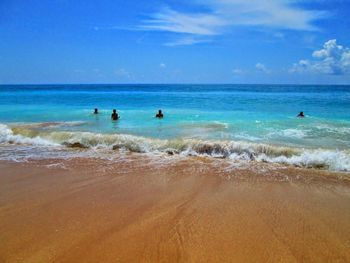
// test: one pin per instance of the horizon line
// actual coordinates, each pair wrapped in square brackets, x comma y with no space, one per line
[159,84]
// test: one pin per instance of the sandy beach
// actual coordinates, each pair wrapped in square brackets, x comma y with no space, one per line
[89,210]
[174,131]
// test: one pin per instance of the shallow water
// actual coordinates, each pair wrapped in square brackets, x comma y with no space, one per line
[241,122]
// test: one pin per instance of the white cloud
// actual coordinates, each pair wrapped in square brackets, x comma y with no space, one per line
[222,14]
[262,68]
[332,59]
[186,41]
[162,65]
[279,14]
[173,21]
[238,71]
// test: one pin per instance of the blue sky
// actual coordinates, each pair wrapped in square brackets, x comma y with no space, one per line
[189,41]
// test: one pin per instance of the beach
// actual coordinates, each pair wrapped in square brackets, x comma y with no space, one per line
[143,209]
[230,174]
[174,131]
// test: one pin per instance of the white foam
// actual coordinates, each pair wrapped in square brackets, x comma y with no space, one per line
[333,129]
[331,160]
[7,136]
[294,133]
[244,136]
[289,133]
[234,150]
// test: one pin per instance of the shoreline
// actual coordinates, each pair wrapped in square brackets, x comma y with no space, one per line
[141,210]
[71,139]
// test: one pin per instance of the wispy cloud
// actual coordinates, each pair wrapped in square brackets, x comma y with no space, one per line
[176,22]
[332,59]
[223,14]
[238,71]
[186,41]
[262,68]
[279,14]
[122,73]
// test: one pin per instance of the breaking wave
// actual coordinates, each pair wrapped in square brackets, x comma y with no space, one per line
[236,150]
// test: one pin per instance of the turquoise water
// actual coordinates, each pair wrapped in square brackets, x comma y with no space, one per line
[251,115]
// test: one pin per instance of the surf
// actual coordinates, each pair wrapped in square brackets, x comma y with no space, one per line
[235,150]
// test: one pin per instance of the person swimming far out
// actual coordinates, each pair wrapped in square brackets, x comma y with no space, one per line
[95,111]
[159,115]
[114,115]
[301,115]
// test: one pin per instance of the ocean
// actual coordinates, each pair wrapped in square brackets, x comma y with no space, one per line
[240,123]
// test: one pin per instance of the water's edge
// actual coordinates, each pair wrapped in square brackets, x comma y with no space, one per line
[41,142]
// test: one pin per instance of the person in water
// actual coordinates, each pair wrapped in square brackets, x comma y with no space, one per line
[159,115]
[301,115]
[96,111]
[114,115]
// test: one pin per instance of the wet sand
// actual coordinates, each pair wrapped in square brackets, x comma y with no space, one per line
[87,210]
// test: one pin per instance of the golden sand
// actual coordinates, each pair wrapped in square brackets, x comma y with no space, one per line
[86,210]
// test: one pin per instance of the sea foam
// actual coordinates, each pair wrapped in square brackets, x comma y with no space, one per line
[235,150]
[7,136]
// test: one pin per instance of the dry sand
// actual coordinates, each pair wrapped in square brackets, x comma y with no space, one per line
[84,210]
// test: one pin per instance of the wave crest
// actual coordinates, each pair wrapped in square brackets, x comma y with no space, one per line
[235,150]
